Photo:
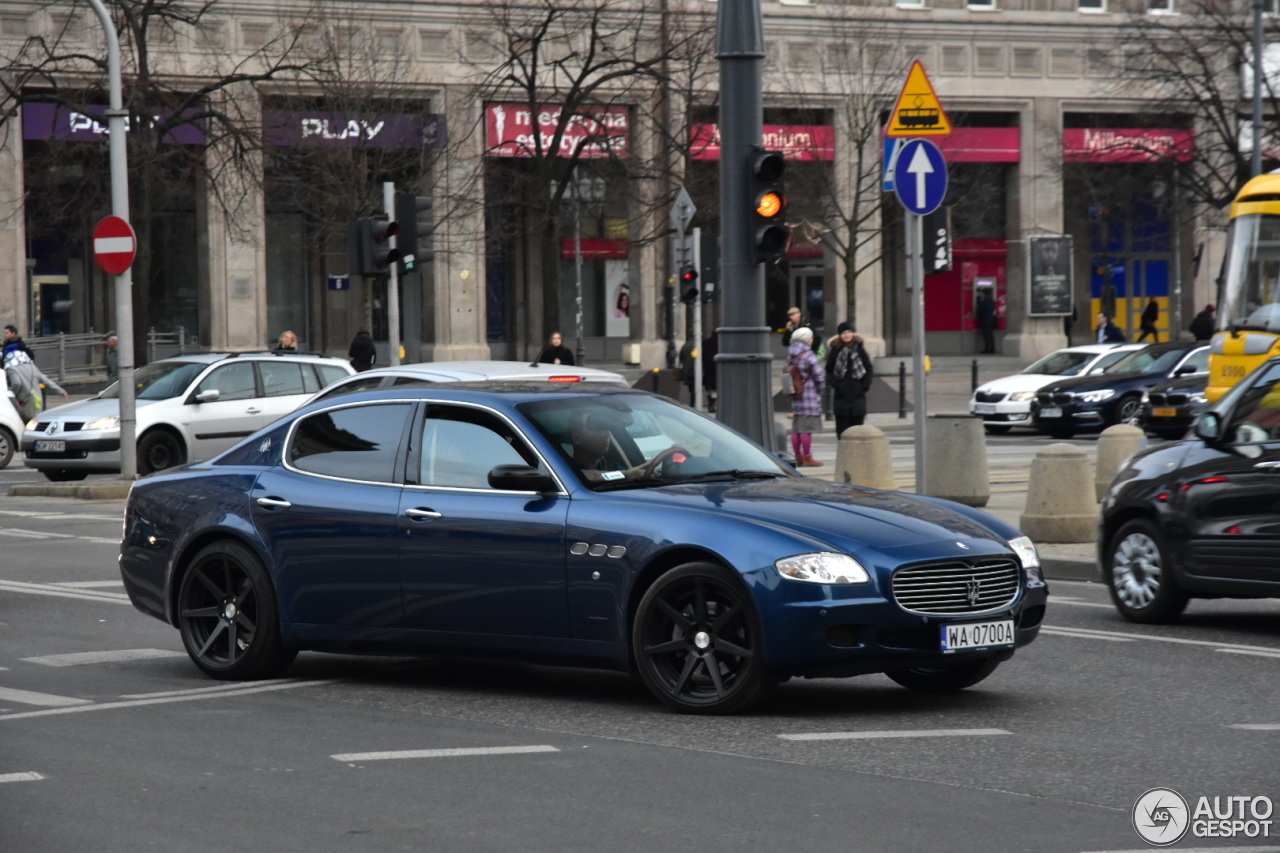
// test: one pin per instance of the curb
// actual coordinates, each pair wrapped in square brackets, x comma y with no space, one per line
[1061,569]
[112,492]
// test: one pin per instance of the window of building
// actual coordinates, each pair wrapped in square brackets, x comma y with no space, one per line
[434,42]
[357,443]
[14,26]
[254,36]
[911,4]
[1027,61]
[982,5]
[1162,7]
[1092,5]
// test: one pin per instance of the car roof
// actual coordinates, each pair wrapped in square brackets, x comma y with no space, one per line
[1100,348]
[462,371]
[509,393]
[213,357]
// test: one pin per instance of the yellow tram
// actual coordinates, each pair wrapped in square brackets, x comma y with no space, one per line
[1249,303]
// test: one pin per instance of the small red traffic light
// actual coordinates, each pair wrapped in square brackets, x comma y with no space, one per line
[689,276]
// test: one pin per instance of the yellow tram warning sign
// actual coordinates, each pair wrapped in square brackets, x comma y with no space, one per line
[918,111]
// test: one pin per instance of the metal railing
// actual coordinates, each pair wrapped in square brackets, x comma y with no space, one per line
[167,344]
[82,357]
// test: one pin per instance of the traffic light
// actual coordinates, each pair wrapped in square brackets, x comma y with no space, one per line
[769,231]
[367,250]
[414,228]
[689,285]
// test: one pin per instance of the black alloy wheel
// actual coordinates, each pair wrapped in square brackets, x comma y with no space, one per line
[7,445]
[945,679]
[996,429]
[158,450]
[697,641]
[62,475]
[227,615]
[1137,571]
[1127,410]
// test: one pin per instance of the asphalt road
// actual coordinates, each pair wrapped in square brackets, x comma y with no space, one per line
[110,739]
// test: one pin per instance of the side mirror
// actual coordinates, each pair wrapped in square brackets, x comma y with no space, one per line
[1209,426]
[1185,369]
[1097,370]
[520,478]
[209,396]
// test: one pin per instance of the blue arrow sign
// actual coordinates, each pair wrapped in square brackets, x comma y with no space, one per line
[920,176]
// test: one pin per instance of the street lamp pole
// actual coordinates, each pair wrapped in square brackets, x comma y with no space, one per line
[580,354]
[744,360]
[1257,89]
[119,158]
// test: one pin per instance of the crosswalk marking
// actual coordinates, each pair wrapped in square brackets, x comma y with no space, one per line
[349,757]
[44,700]
[59,516]
[81,658]
[63,592]
[1257,727]
[109,706]
[87,584]
[898,733]
[20,533]
[20,777]
[1067,632]
[1230,648]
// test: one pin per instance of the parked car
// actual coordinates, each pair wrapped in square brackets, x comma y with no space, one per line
[435,372]
[10,428]
[1169,409]
[1064,407]
[190,408]
[1197,519]
[525,520]
[1006,402]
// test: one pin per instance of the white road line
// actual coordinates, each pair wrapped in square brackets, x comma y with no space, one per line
[107,706]
[1257,727]
[62,592]
[1203,850]
[45,700]
[350,757]
[59,515]
[1073,603]
[899,733]
[86,584]
[20,777]
[19,533]
[1068,632]
[1225,647]
[81,658]
[197,691]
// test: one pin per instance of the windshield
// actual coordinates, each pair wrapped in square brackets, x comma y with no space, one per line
[1061,363]
[1148,361]
[634,441]
[1251,292]
[160,380]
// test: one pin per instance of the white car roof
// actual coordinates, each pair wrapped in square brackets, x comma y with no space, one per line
[212,357]
[1034,381]
[481,371]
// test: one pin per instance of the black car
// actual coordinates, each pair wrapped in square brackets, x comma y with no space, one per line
[1113,396]
[1171,407]
[1198,519]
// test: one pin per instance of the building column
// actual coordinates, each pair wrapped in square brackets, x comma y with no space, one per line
[1039,211]
[13,230]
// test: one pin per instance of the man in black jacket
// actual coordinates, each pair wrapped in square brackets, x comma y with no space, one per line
[362,353]
[1202,326]
[849,373]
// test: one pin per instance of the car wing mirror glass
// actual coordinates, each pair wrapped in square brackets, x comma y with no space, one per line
[520,478]
[1097,370]
[209,396]
[1209,426]
[1185,369]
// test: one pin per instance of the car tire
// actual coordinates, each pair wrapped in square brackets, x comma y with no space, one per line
[62,475]
[996,429]
[7,446]
[158,450]
[1127,409]
[228,617]
[945,679]
[1137,571]
[697,641]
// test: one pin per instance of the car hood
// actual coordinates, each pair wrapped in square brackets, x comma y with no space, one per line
[1102,380]
[1185,383]
[847,517]
[1017,382]
[91,409]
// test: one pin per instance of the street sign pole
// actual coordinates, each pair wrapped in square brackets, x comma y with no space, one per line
[682,212]
[393,278]
[915,285]
[119,158]
[697,322]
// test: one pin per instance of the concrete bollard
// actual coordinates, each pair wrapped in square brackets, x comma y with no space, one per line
[956,460]
[1060,498]
[1116,444]
[863,458]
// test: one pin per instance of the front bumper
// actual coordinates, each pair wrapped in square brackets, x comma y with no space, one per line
[1182,421]
[1003,412]
[1074,415]
[98,451]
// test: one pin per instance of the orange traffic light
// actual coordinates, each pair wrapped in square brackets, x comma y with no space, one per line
[770,204]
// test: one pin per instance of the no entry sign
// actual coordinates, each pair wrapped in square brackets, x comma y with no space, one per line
[114,244]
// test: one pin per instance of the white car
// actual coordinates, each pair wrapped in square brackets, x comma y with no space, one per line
[190,408]
[10,428]
[433,372]
[1006,402]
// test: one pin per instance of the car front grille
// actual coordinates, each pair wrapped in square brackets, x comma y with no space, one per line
[72,426]
[1177,399]
[956,587]
[42,426]
[988,397]
[1156,399]
[1059,398]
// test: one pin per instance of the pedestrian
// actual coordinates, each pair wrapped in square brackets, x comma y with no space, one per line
[288,342]
[112,357]
[987,322]
[1108,332]
[1202,326]
[807,382]
[555,352]
[795,320]
[1150,315]
[1069,322]
[688,357]
[11,336]
[710,348]
[26,380]
[362,352]
[849,371]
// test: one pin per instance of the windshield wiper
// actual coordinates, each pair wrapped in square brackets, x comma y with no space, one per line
[635,483]
[731,474]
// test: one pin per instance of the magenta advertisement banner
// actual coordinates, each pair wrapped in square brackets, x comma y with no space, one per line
[602,132]
[1127,145]
[43,122]
[795,141]
[295,128]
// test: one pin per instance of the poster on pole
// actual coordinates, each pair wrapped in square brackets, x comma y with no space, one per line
[1049,281]
[617,309]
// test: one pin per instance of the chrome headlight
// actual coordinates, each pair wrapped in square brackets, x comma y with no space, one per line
[31,424]
[1022,396]
[1197,397]
[822,567]
[1028,556]
[1097,396]
[101,423]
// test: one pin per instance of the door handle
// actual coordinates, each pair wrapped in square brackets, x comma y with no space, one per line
[274,503]
[422,513]
[1267,465]
[253,410]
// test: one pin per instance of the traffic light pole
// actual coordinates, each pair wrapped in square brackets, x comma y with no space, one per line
[697,322]
[915,286]
[119,158]
[744,360]
[393,278]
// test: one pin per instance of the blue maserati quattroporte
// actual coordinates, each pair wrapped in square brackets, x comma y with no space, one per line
[591,526]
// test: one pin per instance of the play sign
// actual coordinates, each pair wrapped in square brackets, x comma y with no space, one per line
[114,245]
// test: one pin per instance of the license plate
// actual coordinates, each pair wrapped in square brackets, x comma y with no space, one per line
[984,408]
[1164,413]
[977,635]
[51,447]
[1051,412]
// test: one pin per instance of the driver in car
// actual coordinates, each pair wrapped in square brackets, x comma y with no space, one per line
[597,454]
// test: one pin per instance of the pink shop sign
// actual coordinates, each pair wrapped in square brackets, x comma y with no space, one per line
[1127,145]
[512,130]
[795,141]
